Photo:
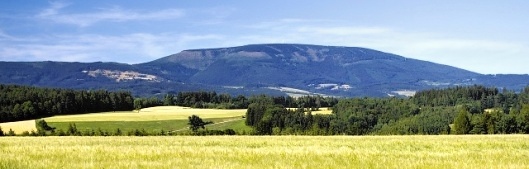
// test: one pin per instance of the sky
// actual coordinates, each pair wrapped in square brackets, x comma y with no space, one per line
[484,36]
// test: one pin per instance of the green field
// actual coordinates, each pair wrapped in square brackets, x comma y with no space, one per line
[483,151]
[236,124]
[152,120]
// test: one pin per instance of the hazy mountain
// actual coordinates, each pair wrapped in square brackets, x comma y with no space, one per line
[265,68]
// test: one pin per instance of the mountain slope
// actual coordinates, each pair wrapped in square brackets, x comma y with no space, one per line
[303,66]
[264,68]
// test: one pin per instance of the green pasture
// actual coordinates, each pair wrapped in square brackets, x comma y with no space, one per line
[235,123]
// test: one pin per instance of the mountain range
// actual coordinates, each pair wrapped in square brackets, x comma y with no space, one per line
[276,69]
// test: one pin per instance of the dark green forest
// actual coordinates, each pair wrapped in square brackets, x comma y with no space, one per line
[212,100]
[458,110]
[23,102]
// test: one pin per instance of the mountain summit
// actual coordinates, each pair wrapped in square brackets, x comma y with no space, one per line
[293,69]
[353,70]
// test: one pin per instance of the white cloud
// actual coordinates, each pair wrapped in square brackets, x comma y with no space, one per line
[116,14]
[4,35]
[477,54]
[53,9]
[342,31]
[131,48]
[481,55]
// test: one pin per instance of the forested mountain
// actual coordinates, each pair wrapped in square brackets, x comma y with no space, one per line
[275,69]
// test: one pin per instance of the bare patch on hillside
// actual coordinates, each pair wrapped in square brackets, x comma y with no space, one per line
[123,75]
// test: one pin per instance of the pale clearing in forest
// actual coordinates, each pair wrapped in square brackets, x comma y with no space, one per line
[322,110]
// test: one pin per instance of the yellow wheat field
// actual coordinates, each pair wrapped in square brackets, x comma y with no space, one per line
[151,114]
[497,151]
[19,126]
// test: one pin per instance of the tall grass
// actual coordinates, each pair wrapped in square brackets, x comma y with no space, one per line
[497,151]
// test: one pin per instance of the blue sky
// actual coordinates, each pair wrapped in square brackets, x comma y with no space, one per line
[484,36]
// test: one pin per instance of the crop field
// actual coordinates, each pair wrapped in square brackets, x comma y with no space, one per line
[154,119]
[236,124]
[481,151]
[19,126]
[150,114]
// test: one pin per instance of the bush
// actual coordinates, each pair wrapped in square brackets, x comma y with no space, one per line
[42,126]
[11,133]
[229,132]
[25,133]
[118,132]
[60,132]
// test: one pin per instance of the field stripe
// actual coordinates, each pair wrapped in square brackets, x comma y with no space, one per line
[151,114]
[19,126]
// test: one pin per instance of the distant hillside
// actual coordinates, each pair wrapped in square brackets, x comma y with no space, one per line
[266,68]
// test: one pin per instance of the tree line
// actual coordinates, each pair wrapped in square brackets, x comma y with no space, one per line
[212,100]
[24,102]
[458,110]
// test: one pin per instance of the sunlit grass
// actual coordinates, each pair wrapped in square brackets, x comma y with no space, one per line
[19,126]
[487,151]
[236,124]
[150,114]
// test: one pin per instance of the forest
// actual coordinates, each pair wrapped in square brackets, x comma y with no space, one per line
[23,102]
[457,110]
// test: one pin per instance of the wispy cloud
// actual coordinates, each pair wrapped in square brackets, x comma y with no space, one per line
[437,47]
[131,48]
[116,14]
[4,35]
[343,31]
[53,9]
[145,46]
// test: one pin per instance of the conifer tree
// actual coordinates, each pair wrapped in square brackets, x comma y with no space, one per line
[461,122]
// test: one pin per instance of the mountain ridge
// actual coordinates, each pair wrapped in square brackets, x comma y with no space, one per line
[259,68]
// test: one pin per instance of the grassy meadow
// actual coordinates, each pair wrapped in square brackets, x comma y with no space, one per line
[154,119]
[235,123]
[470,151]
